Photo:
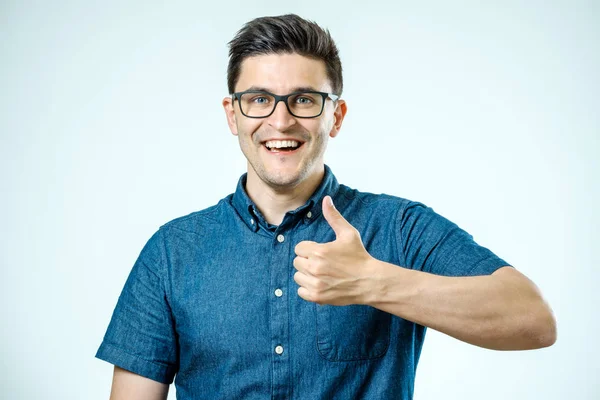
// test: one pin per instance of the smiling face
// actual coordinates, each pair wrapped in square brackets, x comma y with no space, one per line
[260,138]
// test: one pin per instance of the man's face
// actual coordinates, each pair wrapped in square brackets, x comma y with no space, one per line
[282,74]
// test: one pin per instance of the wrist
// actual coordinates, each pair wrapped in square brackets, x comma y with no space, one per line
[378,283]
[390,284]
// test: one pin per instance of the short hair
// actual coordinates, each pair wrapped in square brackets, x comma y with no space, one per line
[284,34]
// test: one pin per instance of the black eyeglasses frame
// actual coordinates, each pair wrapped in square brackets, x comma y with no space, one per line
[325,95]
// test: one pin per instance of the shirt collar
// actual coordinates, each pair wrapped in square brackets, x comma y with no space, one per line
[310,211]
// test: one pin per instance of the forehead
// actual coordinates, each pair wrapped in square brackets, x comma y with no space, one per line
[282,73]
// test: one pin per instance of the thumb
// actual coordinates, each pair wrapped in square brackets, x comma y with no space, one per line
[337,222]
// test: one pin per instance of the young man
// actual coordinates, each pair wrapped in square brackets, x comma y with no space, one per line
[295,286]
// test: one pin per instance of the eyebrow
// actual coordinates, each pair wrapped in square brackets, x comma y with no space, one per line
[295,89]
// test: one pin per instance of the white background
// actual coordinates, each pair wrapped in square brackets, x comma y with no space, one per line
[111,125]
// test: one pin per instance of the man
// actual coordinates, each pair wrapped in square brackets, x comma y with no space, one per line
[295,286]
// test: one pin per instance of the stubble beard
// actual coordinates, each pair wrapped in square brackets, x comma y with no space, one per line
[277,180]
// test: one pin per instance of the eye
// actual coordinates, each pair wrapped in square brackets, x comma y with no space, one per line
[304,100]
[260,100]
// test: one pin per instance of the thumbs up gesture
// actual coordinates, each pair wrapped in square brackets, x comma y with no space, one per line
[338,272]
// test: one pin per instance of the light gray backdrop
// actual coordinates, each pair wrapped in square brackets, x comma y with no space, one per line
[111,125]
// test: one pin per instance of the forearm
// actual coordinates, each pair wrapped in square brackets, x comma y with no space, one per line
[495,312]
[129,386]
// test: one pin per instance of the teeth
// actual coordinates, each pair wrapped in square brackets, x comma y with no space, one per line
[281,143]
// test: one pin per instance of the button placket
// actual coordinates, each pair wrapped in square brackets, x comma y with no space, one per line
[280,314]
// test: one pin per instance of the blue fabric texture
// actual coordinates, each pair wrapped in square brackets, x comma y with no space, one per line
[211,302]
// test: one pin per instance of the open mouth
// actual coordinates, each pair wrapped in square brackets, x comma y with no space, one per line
[282,146]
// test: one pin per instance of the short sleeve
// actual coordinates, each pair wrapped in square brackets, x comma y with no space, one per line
[141,335]
[431,243]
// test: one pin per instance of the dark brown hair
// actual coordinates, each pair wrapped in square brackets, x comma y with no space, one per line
[284,34]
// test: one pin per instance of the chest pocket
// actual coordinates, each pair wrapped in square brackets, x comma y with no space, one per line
[352,333]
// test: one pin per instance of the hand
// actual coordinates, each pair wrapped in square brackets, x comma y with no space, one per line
[338,272]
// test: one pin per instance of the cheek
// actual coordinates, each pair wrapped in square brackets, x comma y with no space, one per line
[323,128]
[315,128]
[247,127]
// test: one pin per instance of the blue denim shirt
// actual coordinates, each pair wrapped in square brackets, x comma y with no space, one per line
[211,301]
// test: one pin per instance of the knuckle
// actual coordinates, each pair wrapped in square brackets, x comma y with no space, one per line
[317,268]
[353,234]
[317,298]
[321,251]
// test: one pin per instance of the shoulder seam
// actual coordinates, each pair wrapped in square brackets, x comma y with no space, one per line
[399,247]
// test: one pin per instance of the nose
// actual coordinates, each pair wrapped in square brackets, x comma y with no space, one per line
[281,119]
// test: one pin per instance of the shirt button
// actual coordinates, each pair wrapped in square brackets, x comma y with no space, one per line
[278,292]
[280,238]
[251,221]
[309,215]
[279,349]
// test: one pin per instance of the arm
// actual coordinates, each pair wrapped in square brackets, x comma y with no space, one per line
[129,386]
[141,340]
[502,311]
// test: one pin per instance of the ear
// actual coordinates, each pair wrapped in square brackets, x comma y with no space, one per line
[338,117]
[230,113]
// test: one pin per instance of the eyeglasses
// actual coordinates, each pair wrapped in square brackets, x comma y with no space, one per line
[261,104]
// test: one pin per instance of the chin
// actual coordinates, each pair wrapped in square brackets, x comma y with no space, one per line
[282,180]
[284,176]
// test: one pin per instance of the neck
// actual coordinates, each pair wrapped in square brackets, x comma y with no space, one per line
[274,201]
